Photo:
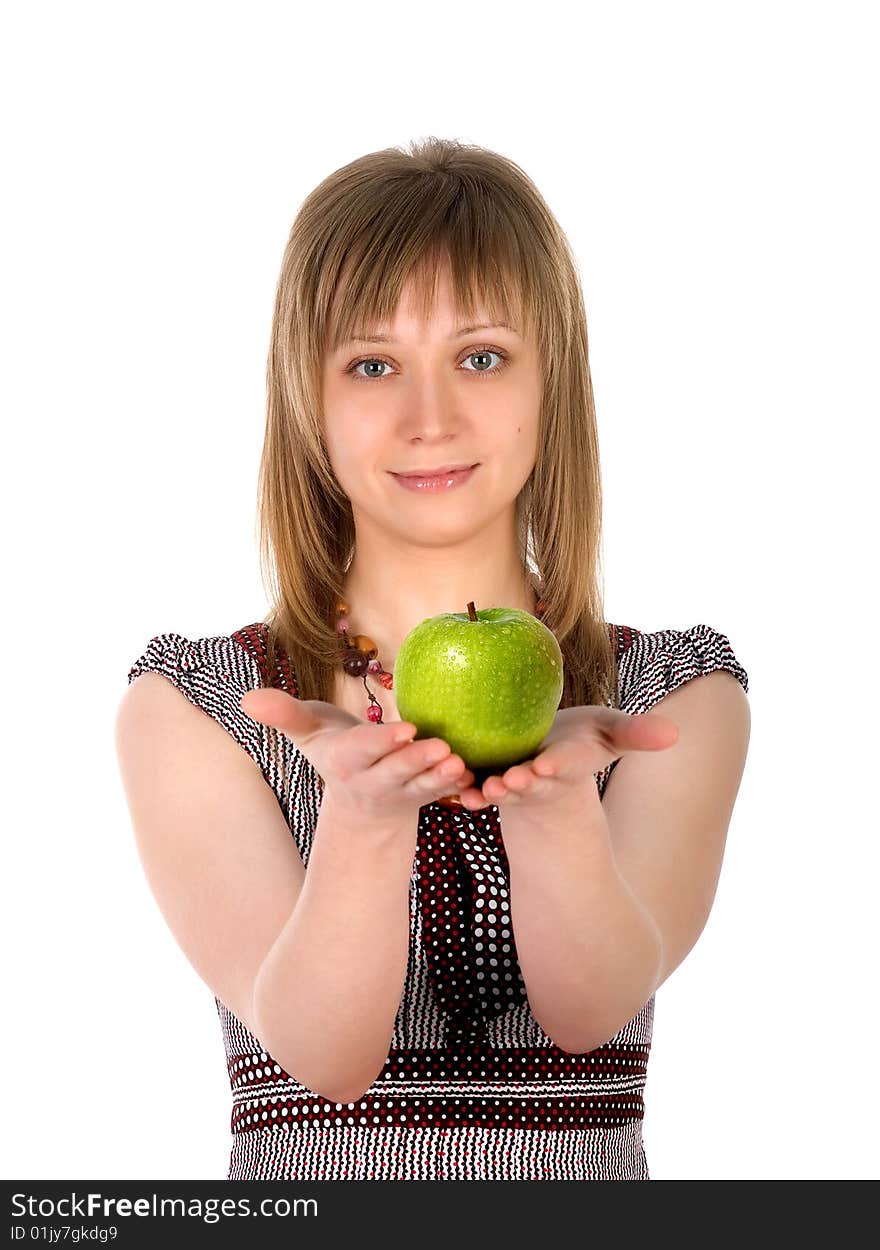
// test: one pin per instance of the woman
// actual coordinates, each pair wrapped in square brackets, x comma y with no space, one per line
[462,984]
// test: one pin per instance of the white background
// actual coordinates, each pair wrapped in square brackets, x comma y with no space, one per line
[714,167]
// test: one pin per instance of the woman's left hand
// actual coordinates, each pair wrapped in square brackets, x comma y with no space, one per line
[581,742]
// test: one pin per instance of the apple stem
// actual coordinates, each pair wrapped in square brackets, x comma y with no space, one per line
[471,613]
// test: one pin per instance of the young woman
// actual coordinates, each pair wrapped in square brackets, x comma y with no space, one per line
[421,973]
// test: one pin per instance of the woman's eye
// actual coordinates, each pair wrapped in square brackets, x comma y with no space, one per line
[487,371]
[487,351]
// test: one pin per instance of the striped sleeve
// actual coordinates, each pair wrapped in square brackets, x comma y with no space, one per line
[213,673]
[658,663]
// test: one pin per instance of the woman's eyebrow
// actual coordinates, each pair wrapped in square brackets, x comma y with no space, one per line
[456,334]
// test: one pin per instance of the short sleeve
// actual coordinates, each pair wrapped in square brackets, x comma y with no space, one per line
[657,663]
[213,673]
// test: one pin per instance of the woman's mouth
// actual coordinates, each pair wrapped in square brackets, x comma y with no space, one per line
[447,480]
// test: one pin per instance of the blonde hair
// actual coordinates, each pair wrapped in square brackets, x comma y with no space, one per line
[368,228]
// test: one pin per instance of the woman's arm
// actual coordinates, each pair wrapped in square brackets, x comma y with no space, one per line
[589,952]
[607,898]
[328,991]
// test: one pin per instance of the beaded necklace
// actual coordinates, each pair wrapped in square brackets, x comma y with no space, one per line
[360,655]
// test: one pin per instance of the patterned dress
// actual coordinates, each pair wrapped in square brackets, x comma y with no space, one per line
[472,1088]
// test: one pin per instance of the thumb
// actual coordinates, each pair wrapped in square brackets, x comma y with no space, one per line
[280,710]
[649,733]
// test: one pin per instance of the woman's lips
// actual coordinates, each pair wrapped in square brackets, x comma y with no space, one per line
[437,482]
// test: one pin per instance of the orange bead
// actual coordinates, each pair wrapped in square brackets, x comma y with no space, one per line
[342,608]
[366,646]
[451,800]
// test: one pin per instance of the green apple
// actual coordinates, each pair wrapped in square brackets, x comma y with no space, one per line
[488,683]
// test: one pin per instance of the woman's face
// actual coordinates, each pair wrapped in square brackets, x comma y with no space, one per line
[429,397]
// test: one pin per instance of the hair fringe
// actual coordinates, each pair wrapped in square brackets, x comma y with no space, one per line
[365,231]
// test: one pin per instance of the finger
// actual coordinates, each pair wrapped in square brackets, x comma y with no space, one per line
[494,789]
[604,736]
[302,720]
[423,768]
[297,718]
[612,728]
[475,800]
[452,775]
[545,766]
[475,797]
[520,781]
[634,731]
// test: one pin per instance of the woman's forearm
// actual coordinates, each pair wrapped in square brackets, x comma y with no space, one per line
[328,992]
[589,952]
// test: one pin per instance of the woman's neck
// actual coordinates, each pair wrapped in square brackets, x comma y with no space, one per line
[388,623]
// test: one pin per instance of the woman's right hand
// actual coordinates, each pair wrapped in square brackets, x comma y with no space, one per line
[378,772]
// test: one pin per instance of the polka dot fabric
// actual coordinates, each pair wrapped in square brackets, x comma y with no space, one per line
[463,878]
[472,1088]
